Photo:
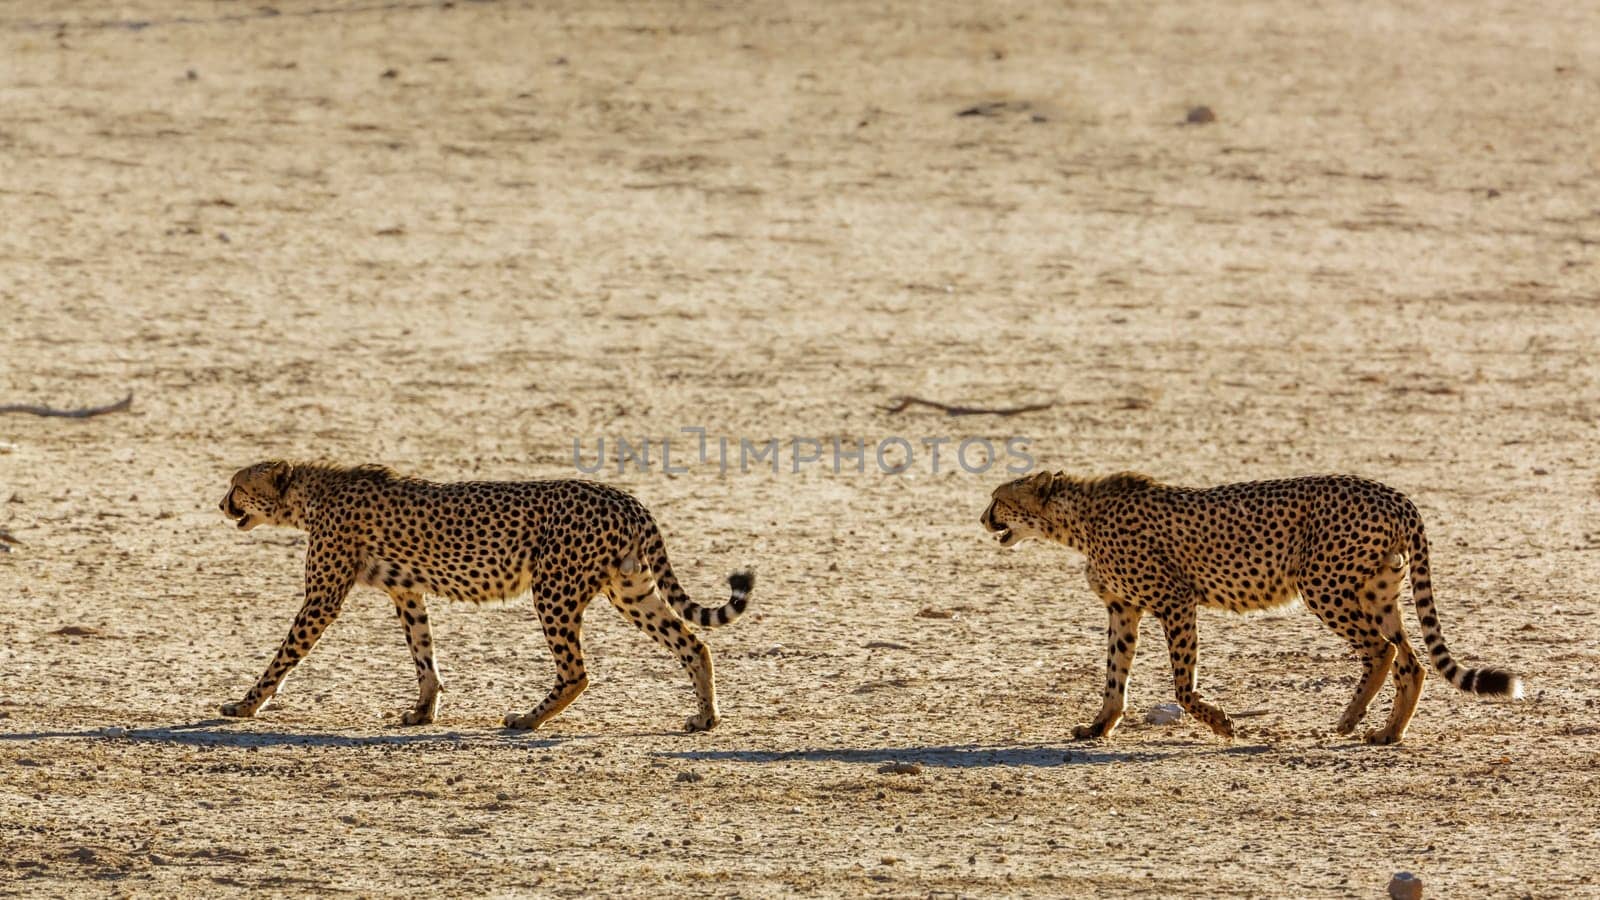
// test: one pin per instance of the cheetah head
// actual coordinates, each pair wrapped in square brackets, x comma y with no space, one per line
[255,497]
[1017,511]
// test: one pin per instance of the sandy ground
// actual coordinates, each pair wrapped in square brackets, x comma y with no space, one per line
[457,238]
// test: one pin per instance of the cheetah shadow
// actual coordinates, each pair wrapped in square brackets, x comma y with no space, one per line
[226,733]
[215,733]
[966,756]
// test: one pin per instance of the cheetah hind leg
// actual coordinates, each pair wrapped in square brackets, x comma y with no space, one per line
[1377,600]
[1377,655]
[636,597]
[413,613]
[1409,676]
[566,645]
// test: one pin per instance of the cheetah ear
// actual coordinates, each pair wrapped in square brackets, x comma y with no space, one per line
[1042,484]
[278,475]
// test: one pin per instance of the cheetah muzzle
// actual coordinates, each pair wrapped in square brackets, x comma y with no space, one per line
[233,511]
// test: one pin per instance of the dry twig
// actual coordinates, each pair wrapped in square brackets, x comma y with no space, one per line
[904,402]
[85,413]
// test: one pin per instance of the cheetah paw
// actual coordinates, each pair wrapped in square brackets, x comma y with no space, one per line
[1088,732]
[701,722]
[239,710]
[417,717]
[1380,737]
[520,721]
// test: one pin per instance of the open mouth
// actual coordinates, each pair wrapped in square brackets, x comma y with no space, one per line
[232,511]
[1002,533]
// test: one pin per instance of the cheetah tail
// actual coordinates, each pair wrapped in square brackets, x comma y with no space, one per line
[1486,680]
[705,616]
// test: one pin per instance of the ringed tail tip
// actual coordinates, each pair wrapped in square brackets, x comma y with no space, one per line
[1493,682]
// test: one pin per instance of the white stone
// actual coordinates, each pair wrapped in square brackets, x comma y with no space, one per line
[1164,714]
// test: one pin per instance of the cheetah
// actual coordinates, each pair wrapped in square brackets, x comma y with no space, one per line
[1338,542]
[564,542]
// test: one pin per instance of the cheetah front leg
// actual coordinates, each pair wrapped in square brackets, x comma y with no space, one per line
[328,580]
[561,614]
[1122,638]
[1178,621]
[413,613]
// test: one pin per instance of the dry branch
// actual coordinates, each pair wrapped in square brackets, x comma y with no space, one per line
[85,413]
[902,403]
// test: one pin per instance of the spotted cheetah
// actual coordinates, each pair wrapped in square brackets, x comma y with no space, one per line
[1336,541]
[563,541]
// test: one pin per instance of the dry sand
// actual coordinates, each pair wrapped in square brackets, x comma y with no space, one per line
[456,238]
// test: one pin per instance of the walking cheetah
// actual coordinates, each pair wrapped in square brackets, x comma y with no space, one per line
[1336,541]
[565,541]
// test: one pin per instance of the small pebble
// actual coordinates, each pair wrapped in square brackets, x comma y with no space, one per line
[900,768]
[1405,886]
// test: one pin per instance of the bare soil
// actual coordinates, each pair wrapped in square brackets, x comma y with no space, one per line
[457,238]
